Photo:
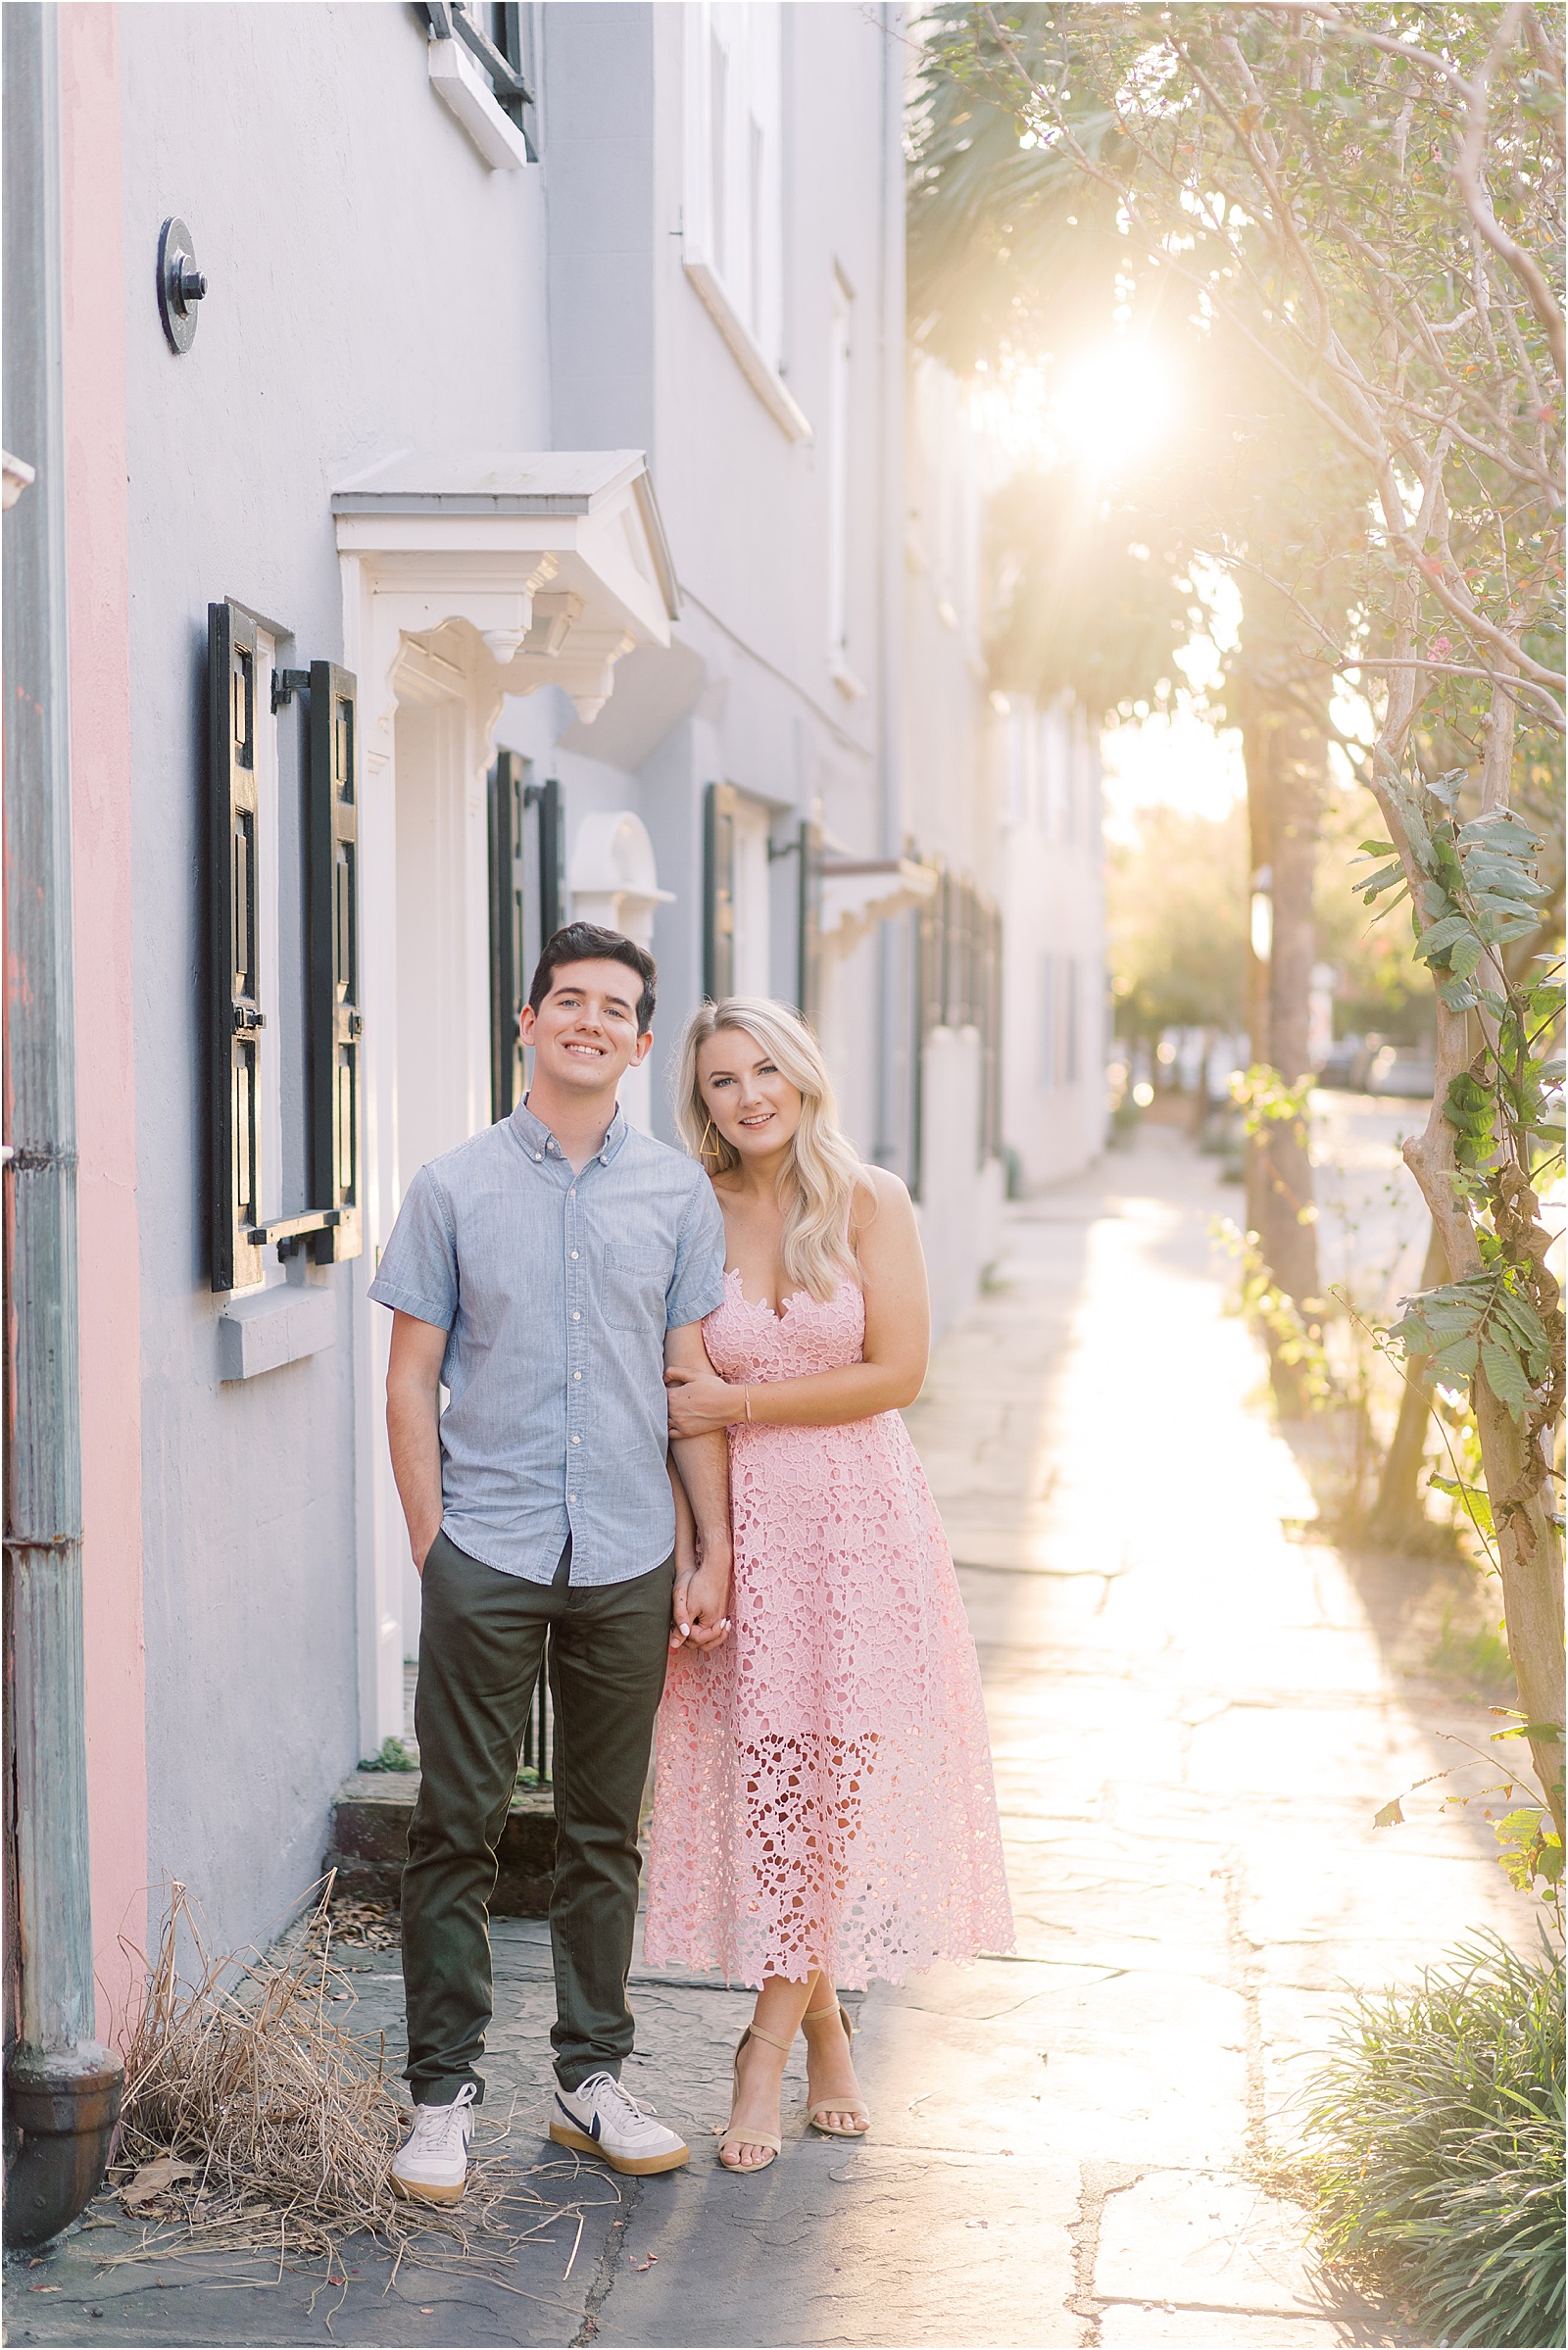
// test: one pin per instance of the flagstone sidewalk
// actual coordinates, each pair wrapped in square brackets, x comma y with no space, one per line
[1195,1715]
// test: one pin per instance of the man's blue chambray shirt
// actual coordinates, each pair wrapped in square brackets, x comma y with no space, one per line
[556,1290]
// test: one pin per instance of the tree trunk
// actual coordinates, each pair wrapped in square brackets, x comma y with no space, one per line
[1529,1543]
[1398,1513]
[1530,1558]
[1286,751]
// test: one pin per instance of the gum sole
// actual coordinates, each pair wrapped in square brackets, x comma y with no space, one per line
[428,2194]
[581,2143]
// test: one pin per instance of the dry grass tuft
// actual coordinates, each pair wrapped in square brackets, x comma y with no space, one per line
[285,2119]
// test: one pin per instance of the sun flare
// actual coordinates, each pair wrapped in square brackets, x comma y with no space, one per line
[1102,412]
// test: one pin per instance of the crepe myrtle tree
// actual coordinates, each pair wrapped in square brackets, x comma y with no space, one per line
[1368,201]
[1017,269]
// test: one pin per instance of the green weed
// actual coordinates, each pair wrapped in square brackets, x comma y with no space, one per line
[1438,2170]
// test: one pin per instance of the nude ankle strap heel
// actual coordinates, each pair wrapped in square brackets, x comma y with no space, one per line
[750,2137]
[836,2105]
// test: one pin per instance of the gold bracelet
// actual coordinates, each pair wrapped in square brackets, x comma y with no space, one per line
[748,1393]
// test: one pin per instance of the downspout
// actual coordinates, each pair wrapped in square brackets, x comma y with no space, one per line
[893,1011]
[62,2088]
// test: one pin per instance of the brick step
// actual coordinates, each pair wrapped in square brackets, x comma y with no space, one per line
[370,1815]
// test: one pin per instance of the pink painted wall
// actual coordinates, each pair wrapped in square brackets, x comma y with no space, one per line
[98,534]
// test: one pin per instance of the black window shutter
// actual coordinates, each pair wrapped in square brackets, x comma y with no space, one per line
[233,944]
[509,797]
[551,856]
[336,1020]
[719,891]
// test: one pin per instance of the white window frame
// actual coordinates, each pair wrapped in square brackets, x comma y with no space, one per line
[751,896]
[841,356]
[464,88]
[732,218]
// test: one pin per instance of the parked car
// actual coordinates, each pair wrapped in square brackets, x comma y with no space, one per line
[1336,1069]
[1405,1071]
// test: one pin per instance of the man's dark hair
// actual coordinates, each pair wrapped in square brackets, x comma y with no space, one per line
[586,943]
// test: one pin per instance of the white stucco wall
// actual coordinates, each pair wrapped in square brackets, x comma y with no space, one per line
[354,245]
[1046,766]
[375,288]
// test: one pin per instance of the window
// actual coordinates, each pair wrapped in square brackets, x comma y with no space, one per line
[732,218]
[482,69]
[736,930]
[840,351]
[246,689]
[957,975]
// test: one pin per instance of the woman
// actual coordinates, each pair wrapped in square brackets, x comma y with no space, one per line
[823,1810]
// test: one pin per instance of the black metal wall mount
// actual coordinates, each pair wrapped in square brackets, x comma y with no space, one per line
[181,284]
[240,1233]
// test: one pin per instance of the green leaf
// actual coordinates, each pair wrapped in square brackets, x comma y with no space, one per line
[1390,1816]
[1506,1374]
[1474,1496]
[1437,937]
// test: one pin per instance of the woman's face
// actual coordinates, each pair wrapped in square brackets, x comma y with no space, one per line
[750,1099]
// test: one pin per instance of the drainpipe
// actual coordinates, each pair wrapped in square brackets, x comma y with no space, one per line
[893,1011]
[62,2088]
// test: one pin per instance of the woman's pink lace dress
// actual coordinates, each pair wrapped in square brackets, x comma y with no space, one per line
[823,1788]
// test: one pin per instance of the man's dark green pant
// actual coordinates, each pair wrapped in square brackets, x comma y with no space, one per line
[481,1639]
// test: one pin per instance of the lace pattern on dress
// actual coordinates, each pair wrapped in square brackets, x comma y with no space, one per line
[824,1793]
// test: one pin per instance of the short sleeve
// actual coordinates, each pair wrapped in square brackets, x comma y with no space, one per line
[697,1285]
[418,1268]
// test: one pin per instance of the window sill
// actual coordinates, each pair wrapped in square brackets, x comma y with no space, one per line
[463,90]
[278,1326]
[759,371]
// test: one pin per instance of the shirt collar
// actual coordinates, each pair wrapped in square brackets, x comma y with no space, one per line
[538,1140]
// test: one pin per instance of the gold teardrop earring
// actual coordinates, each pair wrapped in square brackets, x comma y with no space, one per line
[702,1148]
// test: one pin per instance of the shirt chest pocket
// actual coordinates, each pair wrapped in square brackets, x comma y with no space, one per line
[632,1283]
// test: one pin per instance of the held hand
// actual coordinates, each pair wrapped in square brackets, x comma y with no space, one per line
[701,1605]
[699,1402]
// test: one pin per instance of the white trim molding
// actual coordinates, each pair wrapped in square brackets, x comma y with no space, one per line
[613,878]
[759,371]
[463,90]
[859,892]
[436,540]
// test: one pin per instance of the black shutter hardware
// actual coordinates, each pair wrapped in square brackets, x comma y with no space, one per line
[336,1022]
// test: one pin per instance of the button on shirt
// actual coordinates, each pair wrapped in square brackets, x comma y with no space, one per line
[556,1290]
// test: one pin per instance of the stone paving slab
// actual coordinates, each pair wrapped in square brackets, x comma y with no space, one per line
[1194,1717]
[1162,2326]
[1205,2239]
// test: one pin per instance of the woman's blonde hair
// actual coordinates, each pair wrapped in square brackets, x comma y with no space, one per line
[816,1184]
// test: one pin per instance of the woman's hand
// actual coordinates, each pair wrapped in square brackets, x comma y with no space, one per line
[700,1401]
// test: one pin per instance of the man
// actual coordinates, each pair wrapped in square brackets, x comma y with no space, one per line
[546,1273]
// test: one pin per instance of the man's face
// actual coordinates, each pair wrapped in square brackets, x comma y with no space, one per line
[584,1034]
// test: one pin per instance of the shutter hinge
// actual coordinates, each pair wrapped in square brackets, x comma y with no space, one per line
[246,1019]
[287,683]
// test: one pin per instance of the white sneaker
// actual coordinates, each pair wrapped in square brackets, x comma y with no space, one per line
[600,2117]
[432,2166]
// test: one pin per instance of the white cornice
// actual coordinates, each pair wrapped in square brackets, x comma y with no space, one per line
[434,540]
